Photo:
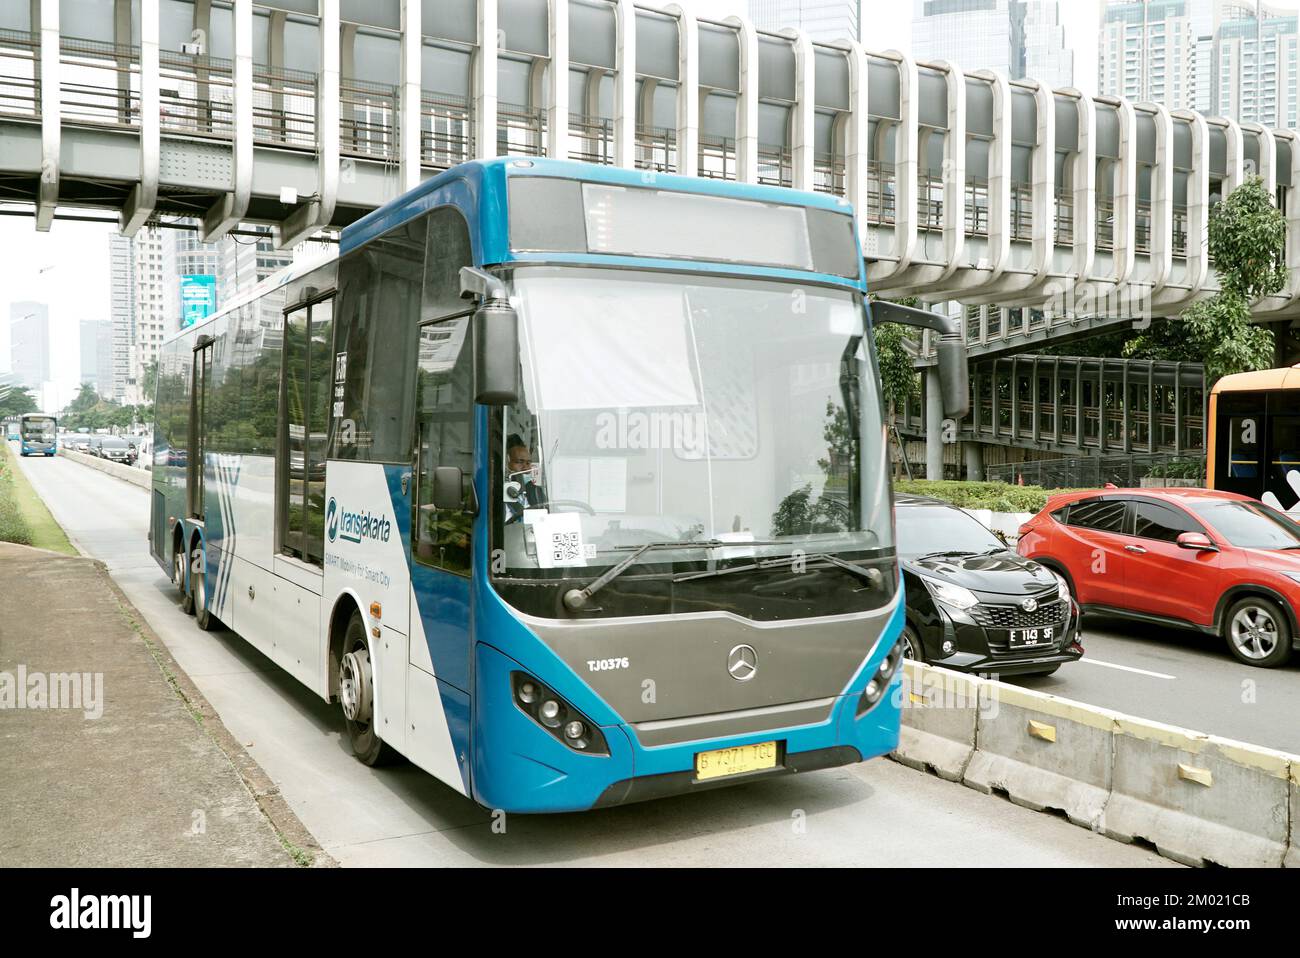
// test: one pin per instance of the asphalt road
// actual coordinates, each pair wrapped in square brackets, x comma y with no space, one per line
[877,813]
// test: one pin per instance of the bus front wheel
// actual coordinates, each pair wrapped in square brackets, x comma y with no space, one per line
[357,696]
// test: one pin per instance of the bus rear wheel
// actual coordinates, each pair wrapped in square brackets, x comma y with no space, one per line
[357,697]
[178,577]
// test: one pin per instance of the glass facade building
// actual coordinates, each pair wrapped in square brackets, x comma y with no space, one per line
[1023,39]
[823,20]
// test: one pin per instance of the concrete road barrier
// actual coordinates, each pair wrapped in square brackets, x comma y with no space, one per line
[1292,859]
[1200,799]
[140,477]
[1044,752]
[939,714]
[1197,798]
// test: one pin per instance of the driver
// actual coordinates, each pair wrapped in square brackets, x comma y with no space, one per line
[522,491]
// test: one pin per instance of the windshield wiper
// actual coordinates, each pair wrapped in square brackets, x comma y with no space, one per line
[952,553]
[872,575]
[575,600]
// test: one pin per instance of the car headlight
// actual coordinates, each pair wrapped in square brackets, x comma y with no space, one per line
[949,594]
[1062,587]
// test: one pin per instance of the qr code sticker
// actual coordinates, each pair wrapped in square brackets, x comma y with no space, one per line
[566,547]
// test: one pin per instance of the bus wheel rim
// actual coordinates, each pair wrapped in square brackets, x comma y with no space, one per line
[354,686]
[1254,632]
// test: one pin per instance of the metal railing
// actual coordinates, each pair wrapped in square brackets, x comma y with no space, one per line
[1180,231]
[656,149]
[446,130]
[828,174]
[775,166]
[1105,224]
[20,81]
[1142,226]
[929,201]
[881,198]
[284,107]
[977,206]
[196,94]
[1064,233]
[591,139]
[521,130]
[1022,211]
[368,118]
[1093,472]
[99,82]
[717,157]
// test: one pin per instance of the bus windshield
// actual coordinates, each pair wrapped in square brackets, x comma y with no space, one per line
[659,408]
[38,428]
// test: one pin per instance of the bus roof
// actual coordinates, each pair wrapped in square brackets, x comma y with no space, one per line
[1262,381]
[494,172]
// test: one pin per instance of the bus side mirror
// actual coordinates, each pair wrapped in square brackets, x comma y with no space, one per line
[448,489]
[496,339]
[954,375]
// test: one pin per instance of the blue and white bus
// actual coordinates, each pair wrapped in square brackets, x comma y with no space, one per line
[568,483]
[38,435]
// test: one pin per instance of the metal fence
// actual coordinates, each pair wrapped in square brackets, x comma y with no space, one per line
[20,85]
[1089,472]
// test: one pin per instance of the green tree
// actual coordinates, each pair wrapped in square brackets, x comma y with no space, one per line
[899,380]
[16,400]
[1247,243]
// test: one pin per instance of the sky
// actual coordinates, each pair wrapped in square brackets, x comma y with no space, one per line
[77,287]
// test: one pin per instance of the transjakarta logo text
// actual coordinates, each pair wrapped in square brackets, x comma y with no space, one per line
[355,526]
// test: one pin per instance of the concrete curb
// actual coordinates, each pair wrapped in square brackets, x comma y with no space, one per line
[939,716]
[140,477]
[1043,751]
[292,832]
[1197,798]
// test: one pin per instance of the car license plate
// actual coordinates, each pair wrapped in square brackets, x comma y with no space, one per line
[1027,638]
[735,761]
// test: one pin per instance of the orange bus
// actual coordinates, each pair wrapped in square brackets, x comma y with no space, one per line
[1255,437]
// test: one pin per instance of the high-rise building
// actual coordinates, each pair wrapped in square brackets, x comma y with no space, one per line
[1019,38]
[1153,51]
[1232,58]
[121,256]
[1255,53]
[97,355]
[29,344]
[823,20]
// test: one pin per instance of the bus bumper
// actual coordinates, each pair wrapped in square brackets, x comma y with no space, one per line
[520,767]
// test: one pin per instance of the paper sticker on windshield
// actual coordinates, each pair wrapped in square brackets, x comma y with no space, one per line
[559,541]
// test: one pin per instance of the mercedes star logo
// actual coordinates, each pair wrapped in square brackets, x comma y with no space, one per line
[1030,604]
[742,663]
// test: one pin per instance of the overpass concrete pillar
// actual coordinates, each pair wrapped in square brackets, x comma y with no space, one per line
[933,425]
[974,453]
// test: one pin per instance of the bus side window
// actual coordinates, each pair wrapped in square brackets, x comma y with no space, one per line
[444,423]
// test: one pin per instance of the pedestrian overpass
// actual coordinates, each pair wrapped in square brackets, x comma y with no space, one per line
[305,114]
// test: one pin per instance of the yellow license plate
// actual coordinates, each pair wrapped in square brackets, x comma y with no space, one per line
[735,761]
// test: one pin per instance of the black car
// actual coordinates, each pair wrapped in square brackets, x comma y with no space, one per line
[973,605]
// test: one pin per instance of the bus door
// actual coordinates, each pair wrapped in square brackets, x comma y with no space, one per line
[443,456]
[1241,430]
[199,399]
[1282,477]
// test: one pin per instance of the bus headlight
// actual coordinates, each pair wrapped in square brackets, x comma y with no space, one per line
[878,684]
[556,716]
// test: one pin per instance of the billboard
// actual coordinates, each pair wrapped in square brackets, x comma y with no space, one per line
[198,298]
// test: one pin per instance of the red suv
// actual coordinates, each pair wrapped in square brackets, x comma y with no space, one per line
[1215,561]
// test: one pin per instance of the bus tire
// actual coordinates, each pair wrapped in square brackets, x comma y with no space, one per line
[178,577]
[357,696]
[203,617]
